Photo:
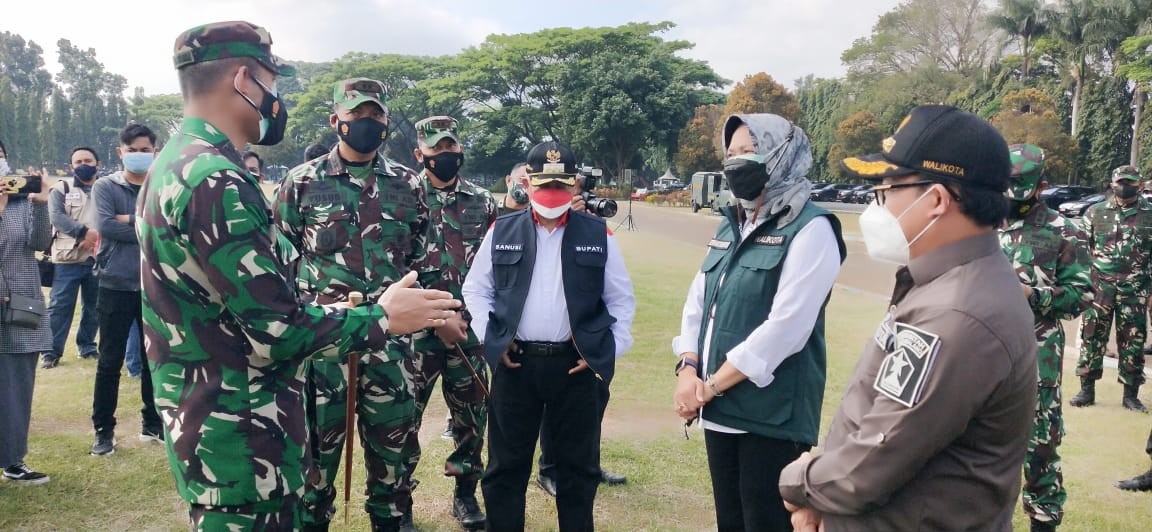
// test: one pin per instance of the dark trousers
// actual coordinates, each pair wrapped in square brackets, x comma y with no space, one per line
[117,310]
[542,393]
[745,472]
[70,280]
[547,463]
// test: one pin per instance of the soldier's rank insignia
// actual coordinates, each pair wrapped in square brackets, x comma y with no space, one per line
[904,371]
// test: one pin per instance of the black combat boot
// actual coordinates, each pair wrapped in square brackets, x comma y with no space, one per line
[1087,395]
[1142,482]
[465,508]
[1043,526]
[385,524]
[1131,401]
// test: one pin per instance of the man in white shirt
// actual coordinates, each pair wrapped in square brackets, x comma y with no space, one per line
[547,367]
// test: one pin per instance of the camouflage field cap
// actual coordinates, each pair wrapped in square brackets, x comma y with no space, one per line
[1128,172]
[1027,170]
[433,129]
[350,93]
[223,40]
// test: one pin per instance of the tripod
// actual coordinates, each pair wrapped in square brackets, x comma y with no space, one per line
[631,222]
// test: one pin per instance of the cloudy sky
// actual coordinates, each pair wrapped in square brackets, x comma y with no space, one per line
[786,38]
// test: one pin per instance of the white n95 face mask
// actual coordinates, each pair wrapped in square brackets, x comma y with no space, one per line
[883,236]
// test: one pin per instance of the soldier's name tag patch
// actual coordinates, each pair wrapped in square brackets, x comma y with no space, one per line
[905,370]
[770,240]
[321,197]
[589,249]
[508,247]
[74,196]
[719,244]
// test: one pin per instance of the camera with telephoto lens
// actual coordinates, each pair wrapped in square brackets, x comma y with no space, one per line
[602,207]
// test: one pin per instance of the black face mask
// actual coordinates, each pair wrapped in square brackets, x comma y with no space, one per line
[1125,191]
[273,116]
[1018,209]
[444,165]
[84,172]
[745,177]
[364,135]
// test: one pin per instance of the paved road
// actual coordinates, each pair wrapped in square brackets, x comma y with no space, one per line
[859,273]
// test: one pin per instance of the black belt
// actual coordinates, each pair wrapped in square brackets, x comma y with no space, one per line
[546,349]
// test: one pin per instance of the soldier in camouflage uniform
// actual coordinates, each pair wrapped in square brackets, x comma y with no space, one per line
[1045,248]
[460,214]
[226,332]
[1119,236]
[360,222]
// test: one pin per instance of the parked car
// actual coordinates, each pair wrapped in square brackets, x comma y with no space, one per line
[845,195]
[823,192]
[862,195]
[1060,194]
[639,194]
[1073,209]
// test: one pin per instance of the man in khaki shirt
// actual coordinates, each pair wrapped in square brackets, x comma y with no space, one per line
[934,424]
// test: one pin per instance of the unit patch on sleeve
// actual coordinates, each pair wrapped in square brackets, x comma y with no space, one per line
[904,372]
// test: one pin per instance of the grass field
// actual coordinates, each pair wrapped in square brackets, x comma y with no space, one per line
[668,486]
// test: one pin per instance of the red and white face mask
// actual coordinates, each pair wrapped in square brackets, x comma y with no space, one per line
[551,203]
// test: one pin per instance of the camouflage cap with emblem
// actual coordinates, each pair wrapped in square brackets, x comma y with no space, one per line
[550,162]
[1127,172]
[940,142]
[350,93]
[1027,171]
[225,40]
[430,131]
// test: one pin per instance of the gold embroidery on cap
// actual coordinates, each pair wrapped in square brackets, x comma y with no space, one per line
[553,156]
[869,167]
[943,168]
[888,144]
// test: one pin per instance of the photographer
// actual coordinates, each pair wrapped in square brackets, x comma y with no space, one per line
[24,229]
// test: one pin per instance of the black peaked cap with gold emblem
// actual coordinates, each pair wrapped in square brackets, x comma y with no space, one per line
[939,141]
[551,161]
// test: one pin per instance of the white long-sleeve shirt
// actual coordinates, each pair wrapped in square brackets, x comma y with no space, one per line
[806,278]
[545,316]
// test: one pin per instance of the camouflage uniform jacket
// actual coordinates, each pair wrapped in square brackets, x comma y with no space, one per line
[353,237]
[460,217]
[1047,251]
[1120,241]
[225,329]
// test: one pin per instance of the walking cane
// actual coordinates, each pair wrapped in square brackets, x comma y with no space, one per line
[476,376]
[354,300]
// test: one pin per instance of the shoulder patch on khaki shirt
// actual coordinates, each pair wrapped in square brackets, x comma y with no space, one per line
[905,370]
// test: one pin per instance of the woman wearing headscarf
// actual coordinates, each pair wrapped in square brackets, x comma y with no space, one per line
[751,344]
[24,229]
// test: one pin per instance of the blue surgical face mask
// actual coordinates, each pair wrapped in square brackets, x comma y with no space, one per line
[138,162]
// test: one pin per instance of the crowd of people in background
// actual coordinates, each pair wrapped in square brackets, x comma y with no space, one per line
[278,327]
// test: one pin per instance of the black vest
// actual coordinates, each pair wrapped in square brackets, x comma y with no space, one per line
[583,254]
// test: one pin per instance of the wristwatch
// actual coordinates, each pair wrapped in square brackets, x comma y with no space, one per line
[684,363]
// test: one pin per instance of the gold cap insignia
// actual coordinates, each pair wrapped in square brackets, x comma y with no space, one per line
[553,156]
[888,144]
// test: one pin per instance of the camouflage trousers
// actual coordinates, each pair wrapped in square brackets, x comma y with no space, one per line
[465,403]
[385,414]
[1130,310]
[1043,489]
[270,515]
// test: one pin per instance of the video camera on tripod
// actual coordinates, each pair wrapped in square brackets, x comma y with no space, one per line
[602,207]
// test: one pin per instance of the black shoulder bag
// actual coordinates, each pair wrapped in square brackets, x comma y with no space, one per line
[17,310]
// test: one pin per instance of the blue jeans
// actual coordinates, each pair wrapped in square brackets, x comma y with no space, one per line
[134,353]
[70,279]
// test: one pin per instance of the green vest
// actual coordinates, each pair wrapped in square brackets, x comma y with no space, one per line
[789,408]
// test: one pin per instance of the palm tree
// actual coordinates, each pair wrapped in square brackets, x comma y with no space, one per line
[1128,44]
[1079,27]
[1024,20]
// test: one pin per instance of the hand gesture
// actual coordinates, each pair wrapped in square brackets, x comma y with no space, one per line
[411,309]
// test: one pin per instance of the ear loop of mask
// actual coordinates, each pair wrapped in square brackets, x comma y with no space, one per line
[778,153]
[930,224]
[266,90]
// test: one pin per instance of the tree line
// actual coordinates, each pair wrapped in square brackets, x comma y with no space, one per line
[1070,76]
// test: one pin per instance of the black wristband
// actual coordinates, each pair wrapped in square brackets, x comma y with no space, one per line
[685,362]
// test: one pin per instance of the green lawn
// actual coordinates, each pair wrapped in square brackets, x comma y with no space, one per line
[668,486]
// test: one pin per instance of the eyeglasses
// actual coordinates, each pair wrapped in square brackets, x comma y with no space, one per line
[879,190]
